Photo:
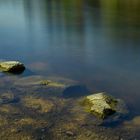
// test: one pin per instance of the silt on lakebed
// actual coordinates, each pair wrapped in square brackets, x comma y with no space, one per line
[42,111]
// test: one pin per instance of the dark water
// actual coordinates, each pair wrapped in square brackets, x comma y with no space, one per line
[96,42]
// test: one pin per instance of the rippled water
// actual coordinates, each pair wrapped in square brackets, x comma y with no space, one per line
[95,42]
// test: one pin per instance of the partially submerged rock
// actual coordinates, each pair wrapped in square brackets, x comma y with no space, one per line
[12,66]
[103,105]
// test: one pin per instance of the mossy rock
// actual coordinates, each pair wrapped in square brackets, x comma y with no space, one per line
[12,66]
[103,105]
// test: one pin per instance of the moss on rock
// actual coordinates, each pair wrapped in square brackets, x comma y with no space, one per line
[12,66]
[103,105]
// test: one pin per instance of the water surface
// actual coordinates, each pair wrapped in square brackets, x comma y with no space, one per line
[95,42]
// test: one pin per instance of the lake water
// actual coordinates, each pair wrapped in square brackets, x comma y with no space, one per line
[95,42]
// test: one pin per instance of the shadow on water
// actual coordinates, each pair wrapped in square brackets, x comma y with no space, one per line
[110,123]
[26,72]
[75,91]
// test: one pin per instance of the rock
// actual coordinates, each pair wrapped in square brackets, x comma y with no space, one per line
[12,66]
[103,105]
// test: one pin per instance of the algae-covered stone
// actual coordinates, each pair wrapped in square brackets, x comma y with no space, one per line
[103,105]
[12,66]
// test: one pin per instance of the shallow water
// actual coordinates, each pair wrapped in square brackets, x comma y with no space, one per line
[94,42]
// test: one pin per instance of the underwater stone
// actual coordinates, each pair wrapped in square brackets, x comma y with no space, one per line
[134,123]
[12,66]
[38,104]
[6,98]
[51,83]
[103,105]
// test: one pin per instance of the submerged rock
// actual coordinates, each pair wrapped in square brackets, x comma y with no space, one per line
[51,83]
[103,105]
[12,66]
[134,123]
[37,80]
[6,98]
[38,104]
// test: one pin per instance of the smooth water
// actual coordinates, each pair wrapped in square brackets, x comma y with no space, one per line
[96,42]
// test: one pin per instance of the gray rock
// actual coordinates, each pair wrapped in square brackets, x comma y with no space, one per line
[12,66]
[103,105]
